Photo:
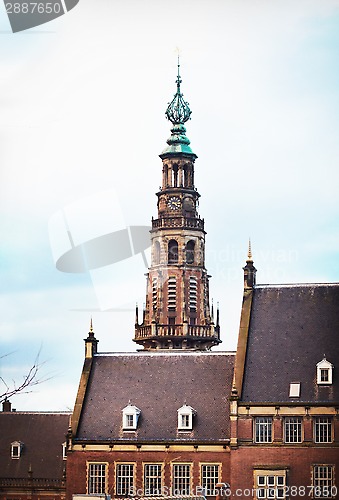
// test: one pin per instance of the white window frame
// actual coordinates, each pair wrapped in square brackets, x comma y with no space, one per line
[124,478]
[153,479]
[270,484]
[263,429]
[16,449]
[181,479]
[324,365]
[185,418]
[323,481]
[210,476]
[323,429]
[97,478]
[130,416]
[293,429]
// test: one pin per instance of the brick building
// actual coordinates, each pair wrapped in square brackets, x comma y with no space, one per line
[32,454]
[177,418]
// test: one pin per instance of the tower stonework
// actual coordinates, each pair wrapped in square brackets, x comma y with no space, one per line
[177,311]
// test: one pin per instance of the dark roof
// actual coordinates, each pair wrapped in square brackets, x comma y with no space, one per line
[158,384]
[42,435]
[291,328]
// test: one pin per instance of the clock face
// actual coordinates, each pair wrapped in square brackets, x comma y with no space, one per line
[174,203]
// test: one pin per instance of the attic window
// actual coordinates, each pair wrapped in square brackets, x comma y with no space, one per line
[324,372]
[295,390]
[16,448]
[130,416]
[185,418]
[64,451]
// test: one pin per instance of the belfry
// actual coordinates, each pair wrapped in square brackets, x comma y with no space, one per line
[177,312]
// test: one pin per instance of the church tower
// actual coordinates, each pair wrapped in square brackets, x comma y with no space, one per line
[177,313]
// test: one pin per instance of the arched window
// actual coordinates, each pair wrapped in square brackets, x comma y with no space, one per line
[190,252]
[175,175]
[157,252]
[172,252]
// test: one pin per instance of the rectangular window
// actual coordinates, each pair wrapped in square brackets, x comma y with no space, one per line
[209,478]
[172,293]
[324,375]
[97,478]
[270,484]
[323,481]
[181,479]
[124,479]
[152,479]
[185,422]
[263,429]
[293,429]
[193,294]
[323,430]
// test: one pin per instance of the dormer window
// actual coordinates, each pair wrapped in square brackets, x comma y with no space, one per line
[185,418]
[16,449]
[324,372]
[130,416]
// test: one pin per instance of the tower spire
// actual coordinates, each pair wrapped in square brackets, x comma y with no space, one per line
[177,311]
[249,270]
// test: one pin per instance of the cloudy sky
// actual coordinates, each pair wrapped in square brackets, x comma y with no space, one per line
[82,124]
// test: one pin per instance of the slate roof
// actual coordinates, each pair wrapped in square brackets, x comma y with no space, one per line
[291,328]
[158,384]
[42,435]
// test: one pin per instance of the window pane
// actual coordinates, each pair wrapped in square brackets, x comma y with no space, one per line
[181,479]
[323,430]
[96,478]
[124,479]
[292,429]
[263,429]
[210,477]
[152,479]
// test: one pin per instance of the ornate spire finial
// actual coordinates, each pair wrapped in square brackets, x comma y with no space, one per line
[91,326]
[249,255]
[178,111]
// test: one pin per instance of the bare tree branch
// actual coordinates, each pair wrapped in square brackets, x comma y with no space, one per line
[30,380]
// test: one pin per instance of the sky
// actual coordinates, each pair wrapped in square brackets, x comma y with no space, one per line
[82,123]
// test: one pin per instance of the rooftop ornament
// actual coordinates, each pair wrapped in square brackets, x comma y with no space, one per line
[178,111]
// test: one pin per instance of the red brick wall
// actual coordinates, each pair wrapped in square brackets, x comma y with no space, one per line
[298,461]
[77,467]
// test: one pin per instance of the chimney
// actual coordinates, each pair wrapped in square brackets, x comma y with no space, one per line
[6,405]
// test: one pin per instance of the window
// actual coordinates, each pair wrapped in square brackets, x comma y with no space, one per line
[292,429]
[270,483]
[154,293]
[97,478]
[324,372]
[64,451]
[209,478]
[263,429]
[193,294]
[16,449]
[156,252]
[152,479]
[181,479]
[185,418]
[190,252]
[130,416]
[323,430]
[323,481]
[172,293]
[172,252]
[124,479]
[295,390]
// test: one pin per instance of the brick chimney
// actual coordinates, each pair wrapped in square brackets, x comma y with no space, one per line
[6,405]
